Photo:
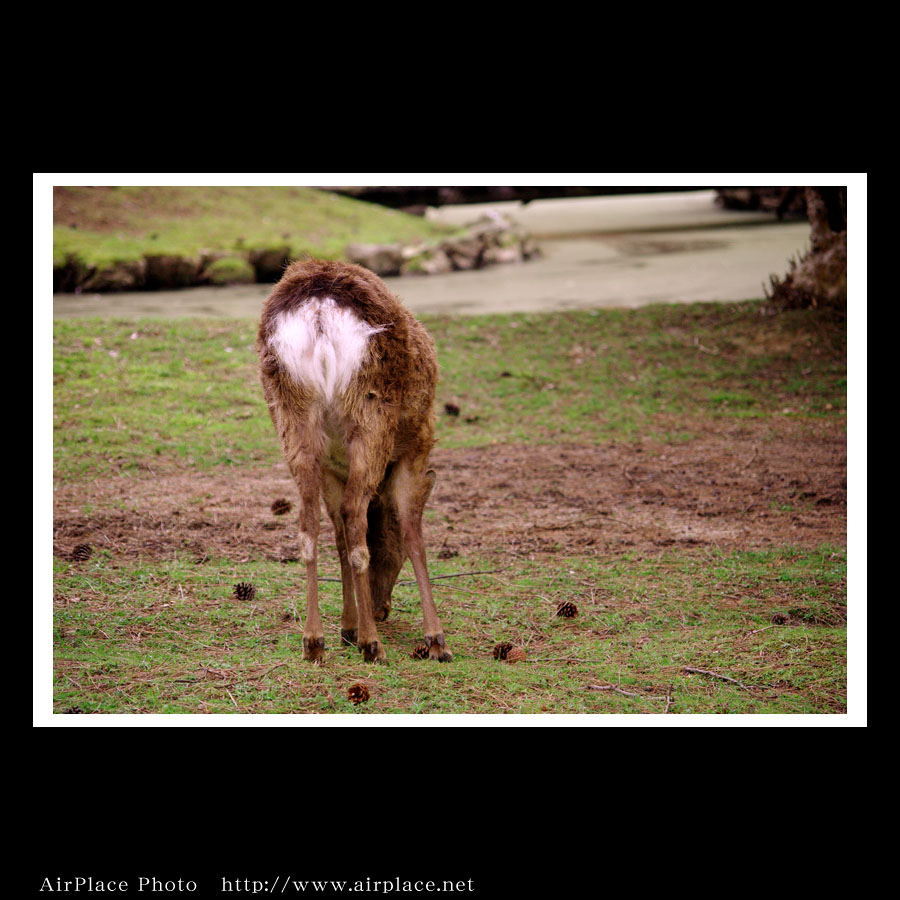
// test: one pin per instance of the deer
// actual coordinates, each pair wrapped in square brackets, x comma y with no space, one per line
[349,377]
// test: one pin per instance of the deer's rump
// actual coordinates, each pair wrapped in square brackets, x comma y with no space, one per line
[321,345]
[334,341]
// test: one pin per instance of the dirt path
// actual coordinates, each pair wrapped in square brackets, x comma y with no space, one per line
[739,485]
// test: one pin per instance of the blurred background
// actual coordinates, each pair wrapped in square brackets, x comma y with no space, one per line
[417,200]
[215,250]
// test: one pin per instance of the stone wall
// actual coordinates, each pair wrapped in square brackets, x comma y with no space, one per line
[489,241]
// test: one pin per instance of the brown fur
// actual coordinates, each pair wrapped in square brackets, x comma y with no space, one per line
[367,455]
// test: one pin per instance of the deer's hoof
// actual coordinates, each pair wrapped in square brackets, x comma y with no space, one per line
[373,651]
[348,636]
[314,649]
[437,648]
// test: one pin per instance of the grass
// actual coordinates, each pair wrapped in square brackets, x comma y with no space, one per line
[164,634]
[122,631]
[130,395]
[101,226]
[626,374]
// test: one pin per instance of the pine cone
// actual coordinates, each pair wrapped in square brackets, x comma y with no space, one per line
[244,591]
[420,651]
[501,651]
[517,654]
[82,552]
[780,619]
[567,609]
[281,507]
[357,693]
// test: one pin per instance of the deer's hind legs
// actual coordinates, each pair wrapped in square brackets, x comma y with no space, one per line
[303,451]
[333,491]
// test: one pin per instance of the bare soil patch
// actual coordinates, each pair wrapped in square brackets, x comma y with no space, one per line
[736,486]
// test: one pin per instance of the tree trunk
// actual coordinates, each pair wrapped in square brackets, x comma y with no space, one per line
[820,277]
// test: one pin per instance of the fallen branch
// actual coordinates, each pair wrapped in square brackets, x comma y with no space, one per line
[611,687]
[749,461]
[218,673]
[760,630]
[460,574]
[229,677]
[265,671]
[717,675]
[581,520]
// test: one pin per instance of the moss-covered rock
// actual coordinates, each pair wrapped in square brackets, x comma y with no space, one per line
[165,272]
[382,259]
[497,255]
[117,276]
[464,253]
[229,270]
[430,261]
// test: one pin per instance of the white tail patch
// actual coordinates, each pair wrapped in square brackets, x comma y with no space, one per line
[321,344]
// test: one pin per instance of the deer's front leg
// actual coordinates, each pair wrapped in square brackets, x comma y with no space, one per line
[411,490]
[434,631]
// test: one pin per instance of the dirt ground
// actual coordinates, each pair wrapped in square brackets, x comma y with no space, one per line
[738,485]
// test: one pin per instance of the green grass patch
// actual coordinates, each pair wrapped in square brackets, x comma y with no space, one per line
[128,395]
[619,374]
[101,226]
[231,270]
[168,636]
